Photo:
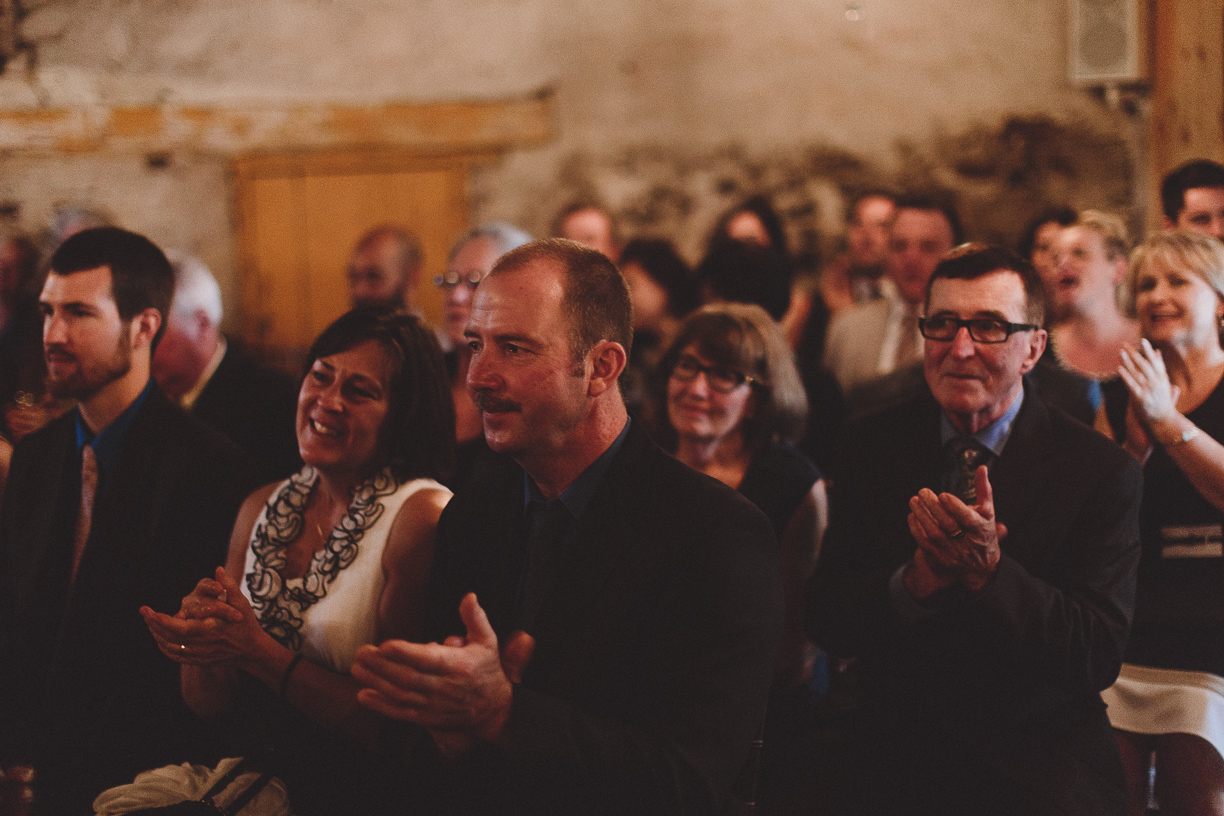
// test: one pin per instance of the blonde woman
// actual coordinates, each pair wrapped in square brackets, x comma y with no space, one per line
[1168,411]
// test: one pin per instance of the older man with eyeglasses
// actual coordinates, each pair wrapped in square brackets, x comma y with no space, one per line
[980,564]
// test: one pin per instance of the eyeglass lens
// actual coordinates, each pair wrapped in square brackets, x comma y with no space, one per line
[983,330]
[452,279]
[720,379]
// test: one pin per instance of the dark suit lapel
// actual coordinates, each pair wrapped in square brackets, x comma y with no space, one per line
[1019,477]
[921,438]
[219,386]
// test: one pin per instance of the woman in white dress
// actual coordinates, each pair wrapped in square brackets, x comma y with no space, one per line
[335,557]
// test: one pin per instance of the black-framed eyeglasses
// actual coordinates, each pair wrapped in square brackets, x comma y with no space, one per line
[981,329]
[452,279]
[721,379]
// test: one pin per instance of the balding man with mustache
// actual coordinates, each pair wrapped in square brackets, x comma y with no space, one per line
[606,619]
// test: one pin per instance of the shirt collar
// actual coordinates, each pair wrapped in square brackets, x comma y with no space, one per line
[993,436]
[188,399]
[578,495]
[888,290]
[107,442]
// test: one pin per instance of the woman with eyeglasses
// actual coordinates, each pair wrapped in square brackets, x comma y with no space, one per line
[735,406]
[1167,409]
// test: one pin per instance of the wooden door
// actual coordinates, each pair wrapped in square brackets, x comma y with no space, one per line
[299,217]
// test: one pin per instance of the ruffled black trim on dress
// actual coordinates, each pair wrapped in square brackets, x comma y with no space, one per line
[279,607]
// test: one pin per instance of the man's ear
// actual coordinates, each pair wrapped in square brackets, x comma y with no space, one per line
[608,360]
[144,328]
[201,322]
[1036,348]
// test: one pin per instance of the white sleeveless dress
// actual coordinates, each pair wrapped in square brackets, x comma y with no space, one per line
[332,610]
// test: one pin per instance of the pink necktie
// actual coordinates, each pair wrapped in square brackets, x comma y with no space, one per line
[89,486]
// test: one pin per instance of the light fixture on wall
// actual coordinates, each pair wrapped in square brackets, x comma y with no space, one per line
[1106,42]
[855,12]
[1107,51]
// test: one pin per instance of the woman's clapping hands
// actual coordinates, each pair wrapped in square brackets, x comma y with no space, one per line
[215,624]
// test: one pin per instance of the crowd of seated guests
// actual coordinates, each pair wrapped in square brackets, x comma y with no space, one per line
[21,356]
[877,337]
[1037,243]
[20,346]
[740,374]
[855,274]
[663,291]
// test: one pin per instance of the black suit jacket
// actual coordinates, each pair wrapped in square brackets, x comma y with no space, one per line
[653,656]
[1008,681]
[84,692]
[256,407]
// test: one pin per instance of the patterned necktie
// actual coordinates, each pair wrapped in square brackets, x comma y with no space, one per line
[89,487]
[966,454]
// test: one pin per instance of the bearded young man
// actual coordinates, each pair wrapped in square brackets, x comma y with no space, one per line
[123,502]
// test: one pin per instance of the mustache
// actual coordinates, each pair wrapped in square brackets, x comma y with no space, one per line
[58,353]
[488,402]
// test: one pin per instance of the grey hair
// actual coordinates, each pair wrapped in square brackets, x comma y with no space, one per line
[504,236]
[195,288]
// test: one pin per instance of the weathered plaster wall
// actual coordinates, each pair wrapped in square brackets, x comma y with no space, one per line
[670,110]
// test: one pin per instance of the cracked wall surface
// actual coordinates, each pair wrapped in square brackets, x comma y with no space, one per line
[670,110]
